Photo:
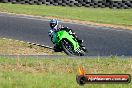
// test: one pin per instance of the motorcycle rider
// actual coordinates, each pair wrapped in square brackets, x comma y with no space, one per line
[54,27]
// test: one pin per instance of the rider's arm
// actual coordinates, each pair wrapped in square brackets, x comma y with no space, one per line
[50,33]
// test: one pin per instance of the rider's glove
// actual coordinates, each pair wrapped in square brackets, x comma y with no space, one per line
[50,33]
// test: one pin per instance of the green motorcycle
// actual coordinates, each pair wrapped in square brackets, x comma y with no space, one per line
[67,43]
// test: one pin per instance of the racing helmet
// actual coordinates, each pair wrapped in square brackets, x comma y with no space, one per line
[53,23]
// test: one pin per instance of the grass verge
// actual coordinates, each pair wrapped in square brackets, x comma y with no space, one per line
[58,73]
[12,47]
[98,15]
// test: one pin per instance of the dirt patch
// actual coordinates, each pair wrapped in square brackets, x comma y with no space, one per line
[75,21]
[12,47]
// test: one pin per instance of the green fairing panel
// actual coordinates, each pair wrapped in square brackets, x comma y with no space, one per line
[55,39]
[63,34]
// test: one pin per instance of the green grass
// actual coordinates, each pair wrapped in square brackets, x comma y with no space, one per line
[99,15]
[13,47]
[60,72]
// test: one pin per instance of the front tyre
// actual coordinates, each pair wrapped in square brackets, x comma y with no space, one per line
[67,47]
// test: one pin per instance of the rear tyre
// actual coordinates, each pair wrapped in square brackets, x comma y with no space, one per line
[82,52]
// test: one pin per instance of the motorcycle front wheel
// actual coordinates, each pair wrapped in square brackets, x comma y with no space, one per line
[69,49]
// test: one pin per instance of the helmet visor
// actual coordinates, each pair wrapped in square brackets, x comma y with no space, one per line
[52,25]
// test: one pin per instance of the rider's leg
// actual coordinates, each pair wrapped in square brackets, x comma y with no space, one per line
[57,48]
[75,36]
[79,40]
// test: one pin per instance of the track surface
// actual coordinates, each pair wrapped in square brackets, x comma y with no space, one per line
[100,41]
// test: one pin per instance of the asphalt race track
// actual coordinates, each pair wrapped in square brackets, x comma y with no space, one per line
[100,41]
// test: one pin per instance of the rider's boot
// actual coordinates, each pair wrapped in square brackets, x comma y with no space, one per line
[81,44]
[57,48]
[79,40]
